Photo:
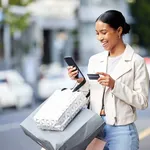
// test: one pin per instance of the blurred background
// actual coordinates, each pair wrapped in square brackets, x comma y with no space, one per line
[35,35]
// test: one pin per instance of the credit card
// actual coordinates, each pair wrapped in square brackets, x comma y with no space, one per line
[93,76]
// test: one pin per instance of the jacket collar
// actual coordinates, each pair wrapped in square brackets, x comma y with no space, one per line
[127,55]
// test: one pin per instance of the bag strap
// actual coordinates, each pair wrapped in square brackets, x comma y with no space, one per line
[79,85]
[103,99]
[88,94]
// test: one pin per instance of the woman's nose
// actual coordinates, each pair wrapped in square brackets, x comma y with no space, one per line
[100,38]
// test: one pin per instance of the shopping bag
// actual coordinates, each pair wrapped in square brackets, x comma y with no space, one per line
[77,135]
[60,108]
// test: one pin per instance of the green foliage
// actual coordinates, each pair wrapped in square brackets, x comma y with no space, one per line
[141,14]
[18,2]
[16,21]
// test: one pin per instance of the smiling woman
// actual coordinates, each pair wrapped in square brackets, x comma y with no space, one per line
[122,87]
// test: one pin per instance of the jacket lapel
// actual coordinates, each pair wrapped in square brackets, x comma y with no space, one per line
[103,62]
[124,64]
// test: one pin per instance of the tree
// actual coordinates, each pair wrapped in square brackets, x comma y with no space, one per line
[140,28]
[18,2]
[10,24]
[16,21]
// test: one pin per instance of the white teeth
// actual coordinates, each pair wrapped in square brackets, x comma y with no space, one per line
[104,43]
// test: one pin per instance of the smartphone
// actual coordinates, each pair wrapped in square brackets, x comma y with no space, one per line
[69,60]
[93,76]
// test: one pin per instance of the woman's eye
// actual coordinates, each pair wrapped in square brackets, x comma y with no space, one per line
[104,33]
[97,33]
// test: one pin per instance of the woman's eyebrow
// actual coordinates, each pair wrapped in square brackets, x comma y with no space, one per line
[101,30]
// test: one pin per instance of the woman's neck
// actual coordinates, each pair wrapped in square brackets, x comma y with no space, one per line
[118,50]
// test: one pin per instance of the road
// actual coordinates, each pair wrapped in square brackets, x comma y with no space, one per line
[11,135]
[13,138]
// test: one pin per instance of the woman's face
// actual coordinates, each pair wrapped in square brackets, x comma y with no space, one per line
[108,36]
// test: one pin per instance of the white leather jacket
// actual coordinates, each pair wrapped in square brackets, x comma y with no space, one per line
[130,91]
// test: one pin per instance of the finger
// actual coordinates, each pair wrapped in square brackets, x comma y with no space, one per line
[102,73]
[73,75]
[69,67]
[101,79]
[79,80]
[101,82]
[104,83]
[73,78]
[69,70]
[72,70]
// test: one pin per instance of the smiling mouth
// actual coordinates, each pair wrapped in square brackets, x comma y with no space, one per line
[104,44]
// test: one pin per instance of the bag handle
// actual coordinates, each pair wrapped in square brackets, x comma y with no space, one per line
[79,85]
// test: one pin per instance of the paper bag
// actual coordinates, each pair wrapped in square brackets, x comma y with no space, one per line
[77,135]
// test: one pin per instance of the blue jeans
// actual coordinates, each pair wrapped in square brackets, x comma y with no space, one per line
[123,137]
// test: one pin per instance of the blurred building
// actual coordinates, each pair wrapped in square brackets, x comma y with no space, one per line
[68,26]
[57,20]
[64,27]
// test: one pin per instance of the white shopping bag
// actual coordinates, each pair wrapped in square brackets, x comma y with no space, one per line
[60,108]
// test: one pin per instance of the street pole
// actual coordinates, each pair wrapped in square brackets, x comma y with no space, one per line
[6,38]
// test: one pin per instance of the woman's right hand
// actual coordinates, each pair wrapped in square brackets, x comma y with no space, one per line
[72,73]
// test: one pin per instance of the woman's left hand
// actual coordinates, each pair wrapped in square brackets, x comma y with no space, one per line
[106,80]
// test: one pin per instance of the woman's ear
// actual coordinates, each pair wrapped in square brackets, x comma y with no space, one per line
[119,30]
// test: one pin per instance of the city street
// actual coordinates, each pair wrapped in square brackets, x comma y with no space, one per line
[37,35]
[13,138]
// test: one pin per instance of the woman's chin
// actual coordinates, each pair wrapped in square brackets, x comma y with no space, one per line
[107,49]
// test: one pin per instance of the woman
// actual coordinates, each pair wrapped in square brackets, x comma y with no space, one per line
[122,86]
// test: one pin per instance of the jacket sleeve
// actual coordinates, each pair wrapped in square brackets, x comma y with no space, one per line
[138,96]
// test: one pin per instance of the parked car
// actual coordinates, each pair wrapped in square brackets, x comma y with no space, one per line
[14,91]
[48,83]
[53,79]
